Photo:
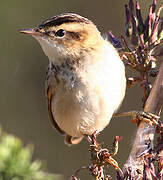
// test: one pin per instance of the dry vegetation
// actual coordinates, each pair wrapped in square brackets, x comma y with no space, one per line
[140,50]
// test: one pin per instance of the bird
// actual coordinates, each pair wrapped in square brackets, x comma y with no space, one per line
[85,78]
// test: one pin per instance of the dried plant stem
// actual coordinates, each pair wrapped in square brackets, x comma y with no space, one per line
[145,133]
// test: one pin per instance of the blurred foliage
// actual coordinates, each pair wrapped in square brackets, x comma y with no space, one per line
[16,161]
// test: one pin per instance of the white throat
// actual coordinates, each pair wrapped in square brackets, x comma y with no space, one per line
[50,49]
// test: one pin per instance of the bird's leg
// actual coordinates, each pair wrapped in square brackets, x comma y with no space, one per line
[93,139]
[101,157]
[138,116]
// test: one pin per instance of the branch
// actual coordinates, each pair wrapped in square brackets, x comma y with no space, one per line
[145,133]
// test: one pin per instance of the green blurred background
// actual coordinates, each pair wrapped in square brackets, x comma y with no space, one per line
[23,110]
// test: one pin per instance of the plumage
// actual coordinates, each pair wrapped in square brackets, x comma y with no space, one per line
[85,81]
[49,93]
[64,18]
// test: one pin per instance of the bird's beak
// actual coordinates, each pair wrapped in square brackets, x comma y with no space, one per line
[32,32]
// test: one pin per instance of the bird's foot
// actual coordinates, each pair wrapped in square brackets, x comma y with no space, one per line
[138,116]
[101,156]
[93,139]
[149,118]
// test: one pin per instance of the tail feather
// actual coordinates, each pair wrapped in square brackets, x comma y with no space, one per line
[69,140]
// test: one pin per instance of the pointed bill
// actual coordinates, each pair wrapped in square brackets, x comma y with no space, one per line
[31,31]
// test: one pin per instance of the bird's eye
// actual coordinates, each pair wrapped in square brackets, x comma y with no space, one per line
[60,33]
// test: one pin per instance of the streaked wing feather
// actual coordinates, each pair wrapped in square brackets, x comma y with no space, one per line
[50,92]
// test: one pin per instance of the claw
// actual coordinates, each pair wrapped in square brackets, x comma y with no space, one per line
[147,117]
[138,116]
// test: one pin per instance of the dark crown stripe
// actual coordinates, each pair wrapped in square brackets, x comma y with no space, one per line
[64,18]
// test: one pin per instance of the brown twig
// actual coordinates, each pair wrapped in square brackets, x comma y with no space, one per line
[145,133]
[101,158]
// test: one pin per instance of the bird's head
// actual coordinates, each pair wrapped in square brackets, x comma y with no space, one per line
[66,36]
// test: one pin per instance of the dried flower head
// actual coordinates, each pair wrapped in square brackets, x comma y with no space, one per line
[142,45]
[145,36]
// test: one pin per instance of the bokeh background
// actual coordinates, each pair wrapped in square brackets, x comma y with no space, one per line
[23,110]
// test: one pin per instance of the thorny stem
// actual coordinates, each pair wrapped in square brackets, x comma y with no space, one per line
[145,133]
[100,159]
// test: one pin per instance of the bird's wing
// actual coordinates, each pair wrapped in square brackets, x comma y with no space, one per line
[50,86]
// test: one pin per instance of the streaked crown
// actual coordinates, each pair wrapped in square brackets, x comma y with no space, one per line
[69,33]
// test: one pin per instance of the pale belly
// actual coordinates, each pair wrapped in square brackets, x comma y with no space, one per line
[97,93]
[78,113]
[87,107]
